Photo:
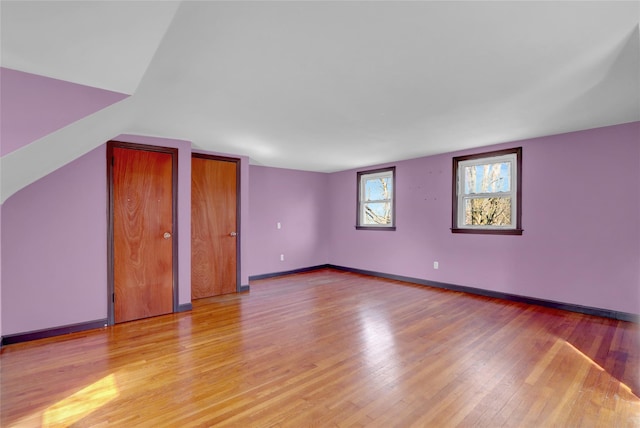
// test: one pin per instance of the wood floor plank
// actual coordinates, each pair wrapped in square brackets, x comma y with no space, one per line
[329,348]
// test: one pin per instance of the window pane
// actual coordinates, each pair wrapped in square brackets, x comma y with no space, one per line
[487,178]
[487,211]
[376,189]
[377,213]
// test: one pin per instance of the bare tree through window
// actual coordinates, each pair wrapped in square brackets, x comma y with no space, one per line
[376,199]
[487,193]
[495,179]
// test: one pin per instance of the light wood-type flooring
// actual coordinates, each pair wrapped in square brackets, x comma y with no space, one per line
[329,348]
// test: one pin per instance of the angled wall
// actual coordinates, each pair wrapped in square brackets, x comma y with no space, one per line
[32,106]
[54,254]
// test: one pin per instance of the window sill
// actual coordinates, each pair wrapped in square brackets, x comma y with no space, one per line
[375,228]
[489,231]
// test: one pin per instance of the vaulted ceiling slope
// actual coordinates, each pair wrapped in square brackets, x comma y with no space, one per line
[327,86]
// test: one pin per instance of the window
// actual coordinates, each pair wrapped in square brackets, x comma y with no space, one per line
[487,195]
[376,199]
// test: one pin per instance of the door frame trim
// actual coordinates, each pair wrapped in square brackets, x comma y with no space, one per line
[174,213]
[237,161]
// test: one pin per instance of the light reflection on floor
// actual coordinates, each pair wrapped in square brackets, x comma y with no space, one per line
[380,349]
[70,410]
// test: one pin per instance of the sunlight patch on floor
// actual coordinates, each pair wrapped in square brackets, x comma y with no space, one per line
[559,347]
[582,354]
[587,358]
[75,407]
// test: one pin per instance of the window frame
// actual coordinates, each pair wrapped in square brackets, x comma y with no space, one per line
[516,175]
[360,202]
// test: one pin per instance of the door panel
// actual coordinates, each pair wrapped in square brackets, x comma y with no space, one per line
[213,222]
[142,233]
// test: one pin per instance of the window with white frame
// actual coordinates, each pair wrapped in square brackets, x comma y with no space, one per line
[487,196]
[376,199]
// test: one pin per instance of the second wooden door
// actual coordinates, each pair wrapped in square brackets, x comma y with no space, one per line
[214,201]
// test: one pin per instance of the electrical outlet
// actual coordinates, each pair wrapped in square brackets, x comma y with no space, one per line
[278,225]
[436,265]
[281,257]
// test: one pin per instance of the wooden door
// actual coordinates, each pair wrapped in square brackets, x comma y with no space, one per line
[214,201]
[142,221]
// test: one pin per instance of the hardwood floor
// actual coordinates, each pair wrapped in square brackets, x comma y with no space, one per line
[330,348]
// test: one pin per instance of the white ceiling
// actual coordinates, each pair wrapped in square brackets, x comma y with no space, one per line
[328,86]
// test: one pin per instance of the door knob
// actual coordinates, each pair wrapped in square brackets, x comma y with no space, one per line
[166,235]
[233,234]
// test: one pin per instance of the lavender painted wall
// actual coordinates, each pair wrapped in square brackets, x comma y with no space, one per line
[30,106]
[581,241]
[54,239]
[296,199]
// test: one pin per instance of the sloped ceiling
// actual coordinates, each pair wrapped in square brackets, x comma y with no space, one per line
[326,86]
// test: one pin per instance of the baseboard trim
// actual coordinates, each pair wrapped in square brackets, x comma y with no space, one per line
[588,310]
[288,272]
[185,307]
[244,288]
[50,332]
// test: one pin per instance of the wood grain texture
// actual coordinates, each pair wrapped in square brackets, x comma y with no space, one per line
[142,213]
[213,219]
[329,348]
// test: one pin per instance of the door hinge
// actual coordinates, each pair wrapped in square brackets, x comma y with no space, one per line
[113,297]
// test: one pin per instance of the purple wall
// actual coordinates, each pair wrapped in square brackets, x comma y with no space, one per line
[299,201]
[581,241]
[54,241]
[30,106]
